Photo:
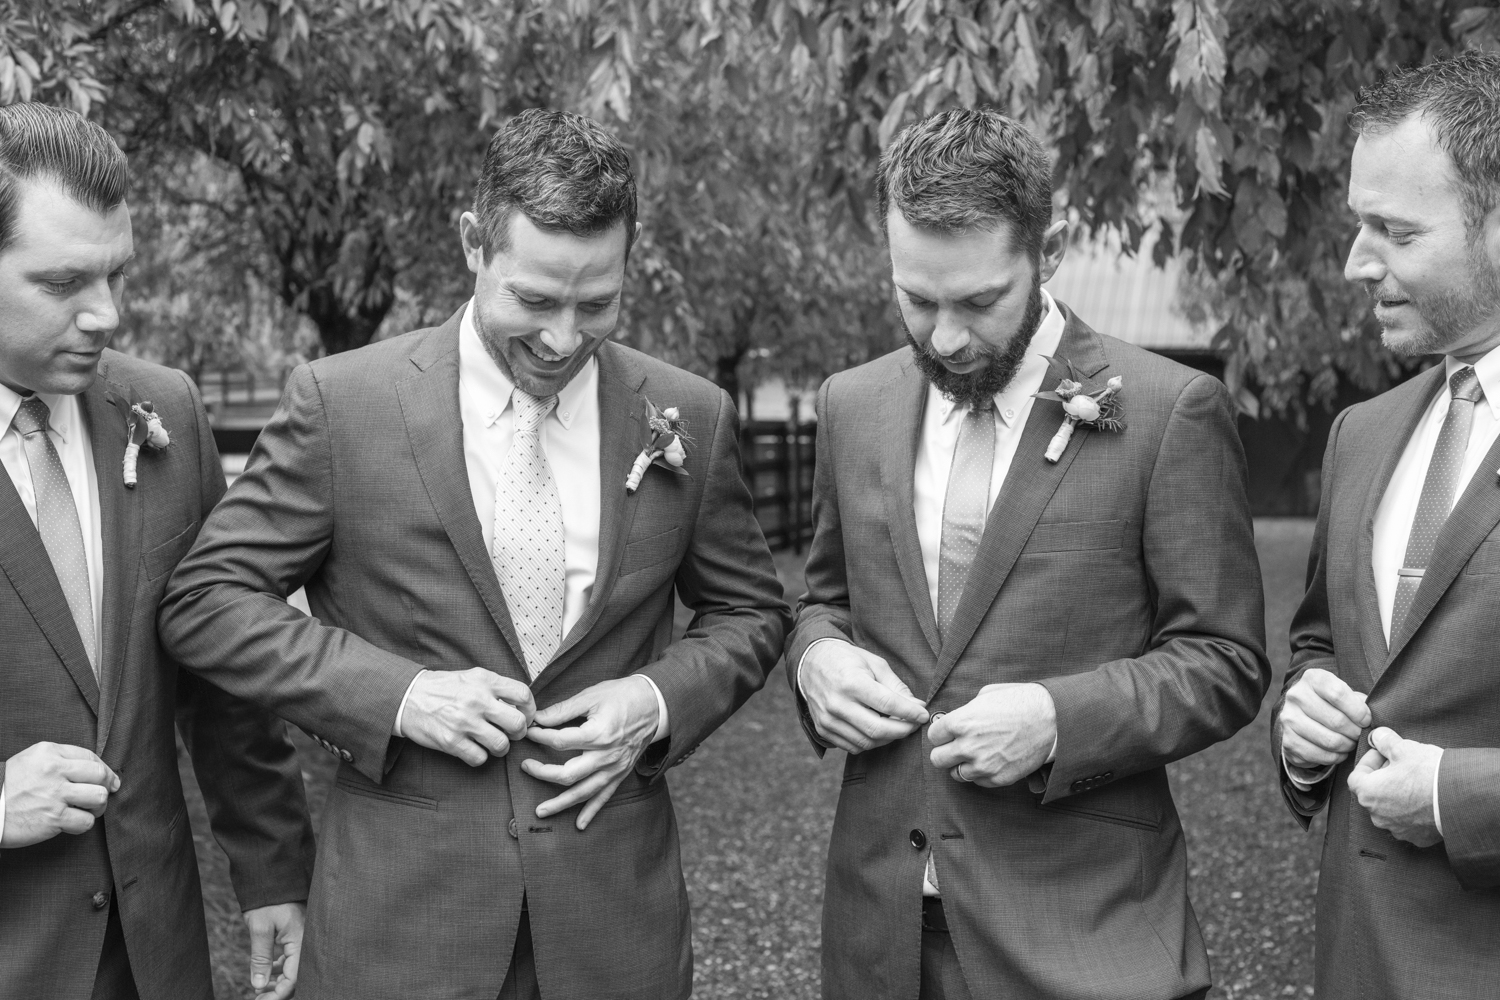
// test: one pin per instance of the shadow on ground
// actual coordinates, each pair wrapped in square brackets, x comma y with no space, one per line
[755,808]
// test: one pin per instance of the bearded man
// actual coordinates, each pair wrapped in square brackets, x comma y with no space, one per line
[1010,634]
[1391,717]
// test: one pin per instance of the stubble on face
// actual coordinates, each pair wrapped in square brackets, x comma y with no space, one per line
[1446,314]
[978,389]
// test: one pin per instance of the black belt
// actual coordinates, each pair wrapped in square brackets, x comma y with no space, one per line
[933,918]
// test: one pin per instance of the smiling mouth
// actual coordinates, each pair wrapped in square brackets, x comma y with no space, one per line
[1391,303]
[545,356]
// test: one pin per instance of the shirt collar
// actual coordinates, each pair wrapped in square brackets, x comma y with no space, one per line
[64,410]
[1487,369]
[1010,402]
[478,370]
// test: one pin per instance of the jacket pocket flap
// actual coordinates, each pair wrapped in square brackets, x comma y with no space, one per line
[646,552]
[164,558]
[1075,536]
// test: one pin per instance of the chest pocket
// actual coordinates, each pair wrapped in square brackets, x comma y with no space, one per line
[644,553]
[1486,559]
[164,558]
[1075,536]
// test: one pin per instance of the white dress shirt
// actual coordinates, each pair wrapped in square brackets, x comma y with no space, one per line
[570,442]
[1398,505]
[70,436]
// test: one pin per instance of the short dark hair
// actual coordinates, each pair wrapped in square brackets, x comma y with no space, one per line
[38,141]
[563,171]
[966,169]
[1460,99]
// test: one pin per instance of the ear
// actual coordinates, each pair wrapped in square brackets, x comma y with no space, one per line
[1054,246]
[472,236]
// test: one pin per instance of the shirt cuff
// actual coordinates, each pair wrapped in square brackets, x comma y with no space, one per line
[809,649]
[662,728]
[1304,778]
[396,729]
[2,804]
[1437,817]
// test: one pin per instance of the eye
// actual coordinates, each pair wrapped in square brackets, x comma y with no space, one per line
[531,303]
[982,303]
[596,307]
[119,276]
[59,287]
[917,302]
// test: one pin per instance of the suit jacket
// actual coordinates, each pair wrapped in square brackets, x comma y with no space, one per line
[358,490]
[55,896]
[1124,579]
[1396,920]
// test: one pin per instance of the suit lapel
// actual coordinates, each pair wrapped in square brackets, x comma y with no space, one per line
[905,401]
[434,427]
[25,563]
[106,407]
[1403,420]
[620,440]
[1028,487]
[1476,514]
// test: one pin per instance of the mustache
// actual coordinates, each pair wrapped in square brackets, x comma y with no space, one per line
[1381,292]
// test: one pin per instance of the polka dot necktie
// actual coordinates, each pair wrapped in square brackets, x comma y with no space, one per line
[529,555]
[965,509]
[1438,491]
[57,520]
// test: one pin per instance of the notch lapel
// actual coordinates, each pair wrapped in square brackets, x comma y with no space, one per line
[25,563]
[1404,419]
[1028,488]
[1476,514]
[106,407]
[620,441]
[905,403]
[434,426]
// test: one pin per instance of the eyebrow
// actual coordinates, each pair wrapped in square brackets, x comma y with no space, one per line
[996,290]
[69,269]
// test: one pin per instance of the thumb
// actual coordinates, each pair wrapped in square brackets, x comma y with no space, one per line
[1386,741]
[262,934]
[913,711]
[565,710]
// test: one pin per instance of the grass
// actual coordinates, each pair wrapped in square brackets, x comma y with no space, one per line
[755,808]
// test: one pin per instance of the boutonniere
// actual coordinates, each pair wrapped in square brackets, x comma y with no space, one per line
[666,444]
[1084,401]
[143,427]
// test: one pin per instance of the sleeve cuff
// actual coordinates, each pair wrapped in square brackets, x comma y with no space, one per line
[1437,816]
[1304,778]
[2,802]
[809,649]
[401,711]
[663,727]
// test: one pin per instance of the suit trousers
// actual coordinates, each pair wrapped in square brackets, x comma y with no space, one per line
[942,977]
[520,982]
[114,980]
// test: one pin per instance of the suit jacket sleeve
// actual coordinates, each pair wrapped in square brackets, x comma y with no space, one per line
[1205,670]
[739,619]
[245,763]
[266,539]
[1312,641]
[823,611]
[1469,790]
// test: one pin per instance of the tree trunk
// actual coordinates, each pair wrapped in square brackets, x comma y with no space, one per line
[727,375]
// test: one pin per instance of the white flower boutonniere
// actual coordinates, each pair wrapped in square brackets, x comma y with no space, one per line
[144,424]
[666,444]
[1084,401]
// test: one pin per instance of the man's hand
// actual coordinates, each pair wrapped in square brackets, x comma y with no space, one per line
[999,738]
[53,788]
[1394,782]
[1321,720]
[470,714]
[269,926]
[857,702]
[620,719]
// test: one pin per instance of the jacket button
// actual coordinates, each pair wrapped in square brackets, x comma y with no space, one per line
[512,829]
[1079,785]
[1107,776]
[918,839]
[346,756]
[100,900]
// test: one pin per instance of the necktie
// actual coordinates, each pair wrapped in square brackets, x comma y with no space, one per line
[965,509]
[529,554]
[57,519]
[1439,489]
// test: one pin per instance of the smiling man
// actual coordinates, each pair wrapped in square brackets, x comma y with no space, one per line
[98,878]
[1011,648]
[454,502]
[1391,717]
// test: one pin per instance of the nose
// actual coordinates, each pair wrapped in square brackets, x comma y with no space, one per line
[100,311]
[1364,264]
[562,335]
[949,336]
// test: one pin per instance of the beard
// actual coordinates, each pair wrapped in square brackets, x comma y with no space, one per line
[979,388]
[1444,316]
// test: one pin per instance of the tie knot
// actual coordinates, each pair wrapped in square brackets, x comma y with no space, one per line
[531,410]
[1465,385]
[31,417]
[982,407]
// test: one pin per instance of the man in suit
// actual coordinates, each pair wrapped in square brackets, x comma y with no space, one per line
[1391,716]
[455,502]
[98,879]
[1011,648]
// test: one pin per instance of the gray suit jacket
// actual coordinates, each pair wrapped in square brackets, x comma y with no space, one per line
[1396,920]
[358,490]
[1124,579]
[55,896]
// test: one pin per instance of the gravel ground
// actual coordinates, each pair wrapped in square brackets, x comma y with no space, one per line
[755,808]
